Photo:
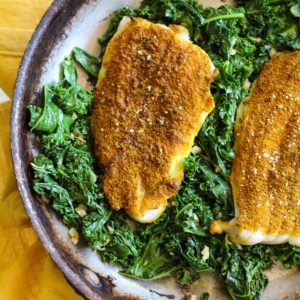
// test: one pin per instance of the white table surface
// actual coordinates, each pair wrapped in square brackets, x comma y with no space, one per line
[3,96]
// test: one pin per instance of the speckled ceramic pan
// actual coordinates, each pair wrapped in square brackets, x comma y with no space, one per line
[70,23]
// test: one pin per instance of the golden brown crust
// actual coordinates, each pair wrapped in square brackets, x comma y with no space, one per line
[266,171]
[148,103]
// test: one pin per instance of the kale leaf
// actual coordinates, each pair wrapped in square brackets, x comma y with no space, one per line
[70,96]
[93,228]
[154,263]
[124,246]
[208,183]
[204,296]
[47,185]
[48,118]
[289,255]
[242,271]
[90,63]
[277,22]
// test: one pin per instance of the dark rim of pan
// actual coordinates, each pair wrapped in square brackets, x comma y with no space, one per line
[50,30]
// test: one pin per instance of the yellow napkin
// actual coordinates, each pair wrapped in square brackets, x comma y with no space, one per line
[26,270]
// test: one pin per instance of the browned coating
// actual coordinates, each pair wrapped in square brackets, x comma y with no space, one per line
[149,105]
[266,171]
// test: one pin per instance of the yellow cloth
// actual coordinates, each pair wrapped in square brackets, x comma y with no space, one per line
[26,270]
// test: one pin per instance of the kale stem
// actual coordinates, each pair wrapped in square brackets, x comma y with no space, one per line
[225,17]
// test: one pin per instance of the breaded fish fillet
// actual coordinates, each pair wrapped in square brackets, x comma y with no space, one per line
[152,96]
[266,171]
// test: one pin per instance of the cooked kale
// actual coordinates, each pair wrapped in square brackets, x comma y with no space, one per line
[154,262]
[46,184]
[238,40]
[90,64]
[242,269]
[288,255]
[71,97]
[204,296]
[277,22]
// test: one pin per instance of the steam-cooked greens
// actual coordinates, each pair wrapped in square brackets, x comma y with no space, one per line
[238,41]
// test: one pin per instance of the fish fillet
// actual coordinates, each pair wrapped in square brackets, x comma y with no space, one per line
[152,96]
[265,177]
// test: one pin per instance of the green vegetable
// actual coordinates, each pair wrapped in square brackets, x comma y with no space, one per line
[193,254]
[35,114]
[48,118]
[124,244]
[208,183]
[45,184]
[90,64]
[295,10]
[238,40]
[242,271]
[73,99]
[277,22]
[69,71]
[154,263]
[70,96]
[289,255]
[93,229]
[204,296]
